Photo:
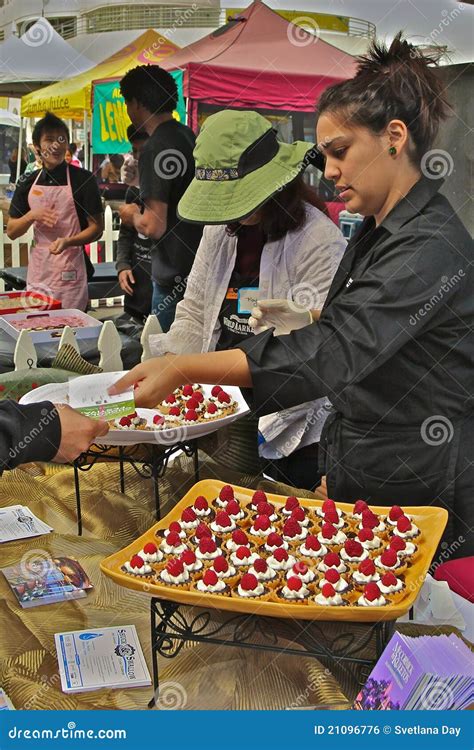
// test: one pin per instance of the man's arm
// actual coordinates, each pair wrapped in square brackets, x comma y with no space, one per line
[152,222]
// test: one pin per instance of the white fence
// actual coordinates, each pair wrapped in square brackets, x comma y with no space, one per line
[107,253]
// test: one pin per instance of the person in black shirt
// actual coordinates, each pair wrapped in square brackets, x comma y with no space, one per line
[166,168]
[133,261]
[393,346]
[64,206]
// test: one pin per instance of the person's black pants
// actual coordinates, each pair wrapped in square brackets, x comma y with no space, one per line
[299,469]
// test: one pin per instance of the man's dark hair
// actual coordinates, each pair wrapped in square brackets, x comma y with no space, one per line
[49,122]
[135,135]
[152,87]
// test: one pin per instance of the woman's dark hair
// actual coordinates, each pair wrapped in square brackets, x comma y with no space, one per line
[72,148]
[394,83]
[285,211]
[47,123]
[152,87]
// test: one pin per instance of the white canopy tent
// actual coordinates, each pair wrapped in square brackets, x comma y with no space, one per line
[38,57]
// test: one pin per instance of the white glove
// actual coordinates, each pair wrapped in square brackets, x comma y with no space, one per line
[280,314]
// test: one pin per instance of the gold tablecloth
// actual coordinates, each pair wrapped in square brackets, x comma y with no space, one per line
[201,676]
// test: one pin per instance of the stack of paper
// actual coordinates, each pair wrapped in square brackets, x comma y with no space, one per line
[103,658]
[18,522]
[424,673]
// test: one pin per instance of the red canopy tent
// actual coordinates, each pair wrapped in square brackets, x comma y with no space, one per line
[258,60]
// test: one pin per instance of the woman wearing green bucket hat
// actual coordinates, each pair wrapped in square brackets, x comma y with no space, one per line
[392,347]
[272,241]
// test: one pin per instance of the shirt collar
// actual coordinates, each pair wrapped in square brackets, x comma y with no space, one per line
[412,203]
[57,172]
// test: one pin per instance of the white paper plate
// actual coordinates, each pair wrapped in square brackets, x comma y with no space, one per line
[57,393]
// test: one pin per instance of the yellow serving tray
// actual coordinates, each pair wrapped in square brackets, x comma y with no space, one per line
[431,521]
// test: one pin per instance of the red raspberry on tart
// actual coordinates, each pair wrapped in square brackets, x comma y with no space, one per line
[175,526]
[389,558]
[353,549]
[170,399]
[188,515]
[243,553]
[332,560]
[226,493]
[207,545]
[331,516]
[150,548]
[404,524]
[359,507]
[158,420]
[274,540]
[292,502]
[197,395]
[265,509]
[328,506]
[397,544]
[328,531]
[240,537]
[260,565]
[291,529]
[210,577]
[211,408]
[328,590]
[137,562]
[223,397]
[294,583]
[216,389]
[389,579]
[332,575]
[188,557]
[280,554]
[175,567]
[372,592]
[312,542]
[369,519]
[125,421]
[175,411]
[367,567]
[222,519]
[187,390]
[220,564]
[249,582]
[233,508]
[193,404]
[366,535]
[201,503]
[261,523]
[258,497]
[191,415]
[173,539]
[395,513]
[202,531]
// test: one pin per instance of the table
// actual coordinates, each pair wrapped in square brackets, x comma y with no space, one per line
[149,460]
[350,648]
[103,284]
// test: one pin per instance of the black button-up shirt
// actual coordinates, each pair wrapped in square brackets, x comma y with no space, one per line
[394,342]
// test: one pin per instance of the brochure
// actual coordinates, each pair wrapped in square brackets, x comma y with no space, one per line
[18,522]
[102,658]
[5,702]
[47,581]
[89,396]
[423,673]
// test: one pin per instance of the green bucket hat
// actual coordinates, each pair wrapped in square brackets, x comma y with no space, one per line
[240,164]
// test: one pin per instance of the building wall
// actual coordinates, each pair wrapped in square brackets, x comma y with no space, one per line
[455,140]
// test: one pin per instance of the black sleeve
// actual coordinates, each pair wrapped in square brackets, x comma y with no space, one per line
[152,170]
[19,205]
[126,235]
[87,194]
[358,332]
[28,433]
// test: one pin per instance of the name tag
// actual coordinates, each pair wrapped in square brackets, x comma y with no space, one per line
[247,298]
[69,276]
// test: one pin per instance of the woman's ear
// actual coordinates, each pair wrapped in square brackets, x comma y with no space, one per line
[397,135]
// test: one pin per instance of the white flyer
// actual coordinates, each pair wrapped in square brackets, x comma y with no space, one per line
[102,658]
[18,522]
[88,394]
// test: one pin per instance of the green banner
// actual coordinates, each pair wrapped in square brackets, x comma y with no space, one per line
[110,120]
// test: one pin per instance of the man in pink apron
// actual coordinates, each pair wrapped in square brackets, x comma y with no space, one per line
[63,204]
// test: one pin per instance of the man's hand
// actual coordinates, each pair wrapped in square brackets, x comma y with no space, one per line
[153,380]
[77,433]
[127,212]
[59,245]
[46,216]
[280,314]
[125,279]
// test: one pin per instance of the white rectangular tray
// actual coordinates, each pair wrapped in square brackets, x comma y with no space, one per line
[91,329]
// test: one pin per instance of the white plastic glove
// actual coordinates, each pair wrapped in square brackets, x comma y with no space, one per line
[281,314]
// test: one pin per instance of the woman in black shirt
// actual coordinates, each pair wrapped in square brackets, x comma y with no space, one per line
[392,349]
